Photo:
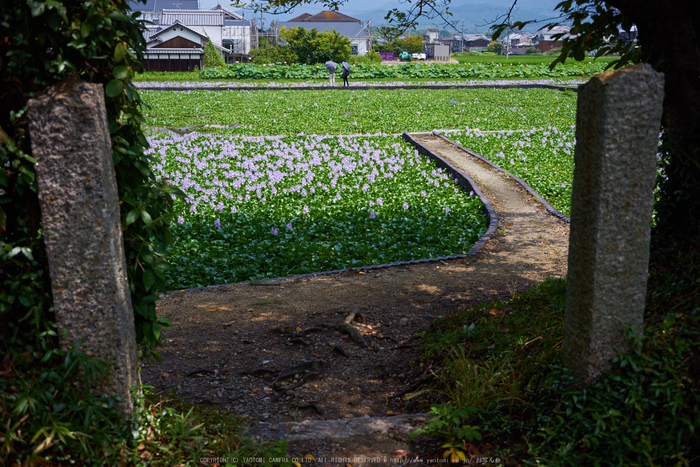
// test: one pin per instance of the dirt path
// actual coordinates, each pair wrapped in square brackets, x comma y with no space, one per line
[229,345]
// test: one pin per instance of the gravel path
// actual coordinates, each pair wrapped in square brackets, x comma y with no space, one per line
[339,414]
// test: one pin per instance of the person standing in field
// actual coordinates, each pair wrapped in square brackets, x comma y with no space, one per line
[331,65]
[346,73]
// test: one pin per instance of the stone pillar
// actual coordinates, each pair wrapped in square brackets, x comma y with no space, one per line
[82,229]
[617,127]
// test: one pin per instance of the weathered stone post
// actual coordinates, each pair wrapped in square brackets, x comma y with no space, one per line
[82,229]
[617,127]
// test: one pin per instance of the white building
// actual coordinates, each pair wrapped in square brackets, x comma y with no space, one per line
[177,36]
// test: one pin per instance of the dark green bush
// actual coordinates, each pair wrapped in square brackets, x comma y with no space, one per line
[40,43]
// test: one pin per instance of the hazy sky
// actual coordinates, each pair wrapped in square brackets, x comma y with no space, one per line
[368,5]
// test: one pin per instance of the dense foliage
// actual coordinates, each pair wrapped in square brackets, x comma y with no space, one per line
[40,43]
[312,47]
[410,44]
[212,57]
[408,70]
[290,112]
[266,53]
[503,377]
[277,206]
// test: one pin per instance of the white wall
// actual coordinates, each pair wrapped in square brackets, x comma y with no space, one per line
[178,31]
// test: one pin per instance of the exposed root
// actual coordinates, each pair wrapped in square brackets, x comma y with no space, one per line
[311,406]
[258,372]
[350,330]
[300,340]
[312,366]
[299,383]
[339,349]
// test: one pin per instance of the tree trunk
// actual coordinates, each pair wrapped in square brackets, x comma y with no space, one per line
[669,33]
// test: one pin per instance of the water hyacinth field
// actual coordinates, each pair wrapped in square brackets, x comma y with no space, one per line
[543,157]
[289,112]
[275,194]
[273,206]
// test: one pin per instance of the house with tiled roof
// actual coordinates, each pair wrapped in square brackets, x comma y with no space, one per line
[550,38]
[352,28]
[177,36]
[466,42]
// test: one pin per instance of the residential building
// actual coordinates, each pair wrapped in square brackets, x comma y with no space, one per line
[466,42]
[545,40]
[431,35]
[179,32]
[352,28]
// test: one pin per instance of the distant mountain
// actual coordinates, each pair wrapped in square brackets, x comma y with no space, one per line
[477,16]
[474,13]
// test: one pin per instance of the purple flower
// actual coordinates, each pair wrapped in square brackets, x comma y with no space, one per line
[405,206]
[380,202]
[234,210]
[471,193]
[217,224]
[180,219]
[337,196]
[289,226]
[422,193]
[447,210]
[371,215]
[274,231]
[563,185]
[306,210]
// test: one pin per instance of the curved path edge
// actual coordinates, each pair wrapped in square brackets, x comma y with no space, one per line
[464,180]
[522,182]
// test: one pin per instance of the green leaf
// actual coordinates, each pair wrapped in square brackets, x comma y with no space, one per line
[119,52]
[114,88]
[121,72]
[148,279]
[146,217]
[132,216]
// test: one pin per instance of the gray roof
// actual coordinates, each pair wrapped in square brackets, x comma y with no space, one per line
[148,32]
[228,14]
[237,23]
[193,17]
[346,29]
[559,29]
[157,5]
[193,51]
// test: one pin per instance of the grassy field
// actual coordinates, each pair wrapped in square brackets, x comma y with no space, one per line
[288,112]
[534,59]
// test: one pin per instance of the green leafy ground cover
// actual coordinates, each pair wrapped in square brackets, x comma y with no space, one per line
[533,59]
[259,207]
[289,112]
[543,157]
[503,379]
[408,71]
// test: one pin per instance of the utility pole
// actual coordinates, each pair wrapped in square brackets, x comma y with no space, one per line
[461,39]
[510,24]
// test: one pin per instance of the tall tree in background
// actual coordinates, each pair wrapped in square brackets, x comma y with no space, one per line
[312,46]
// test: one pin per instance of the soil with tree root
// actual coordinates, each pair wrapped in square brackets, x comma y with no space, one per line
[328,359]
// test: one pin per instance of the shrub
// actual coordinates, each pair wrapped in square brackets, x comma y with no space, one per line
[495,47]
[371,58]
[212,57]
